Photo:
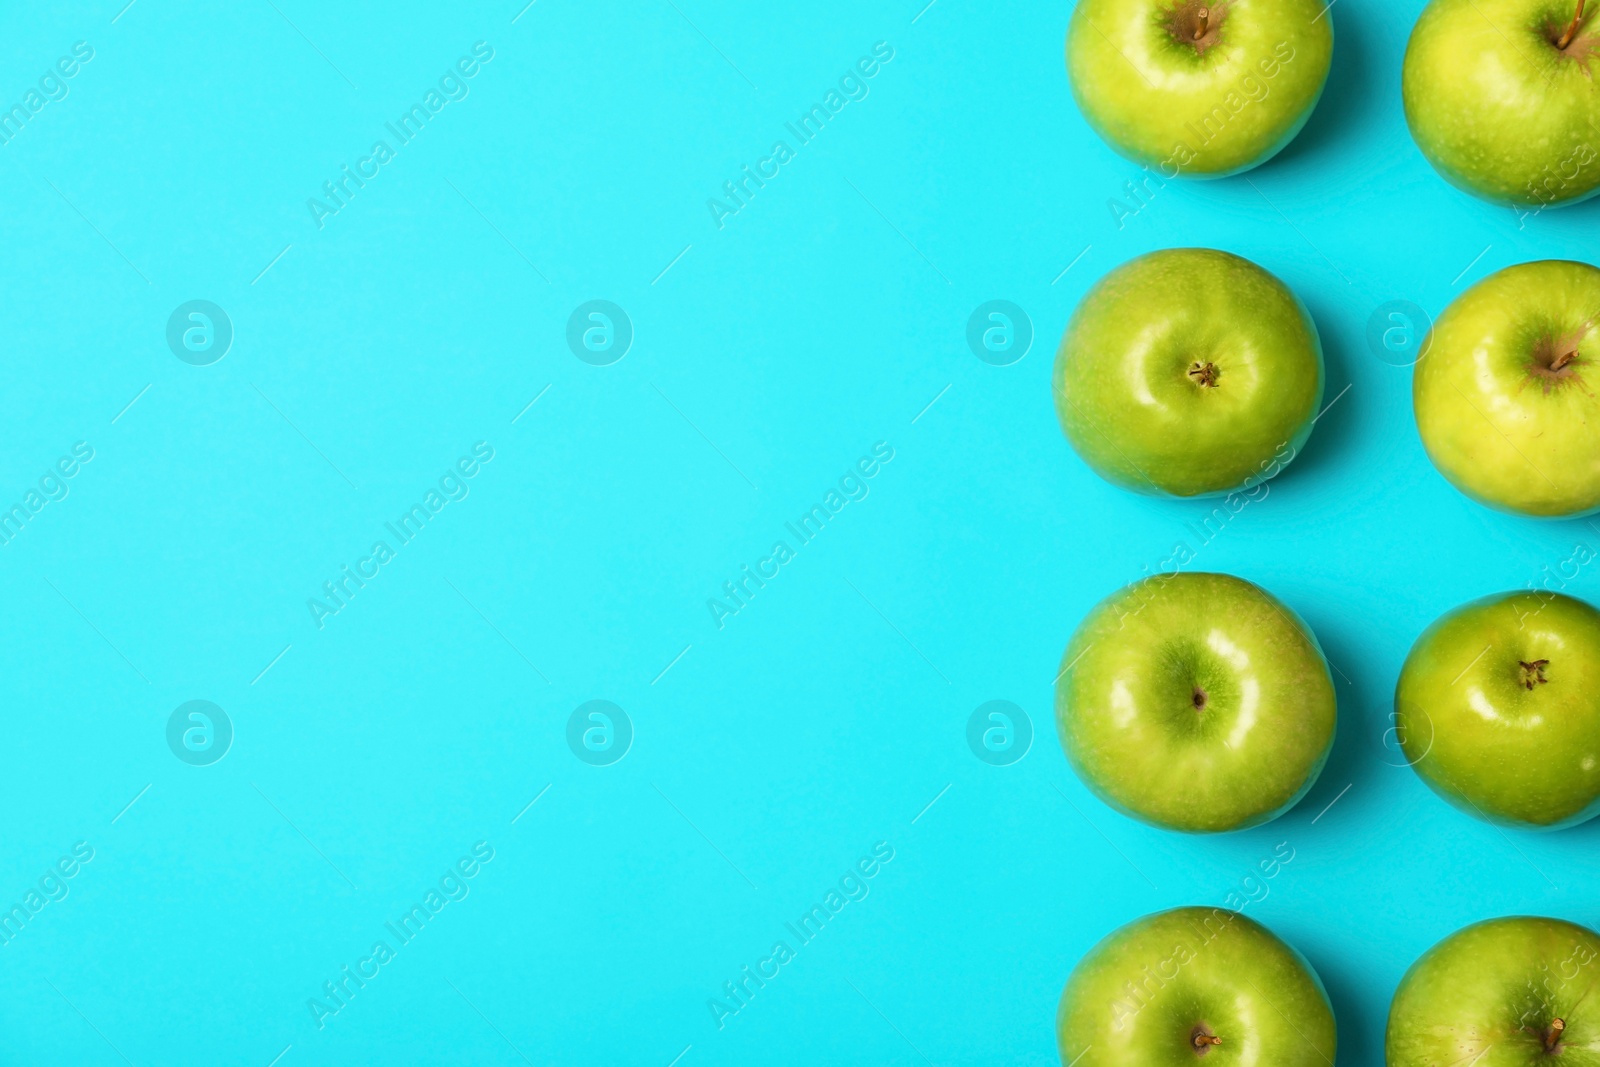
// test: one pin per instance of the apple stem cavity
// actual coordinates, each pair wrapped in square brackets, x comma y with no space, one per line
[1572,29]
[1532,674]
[1555,359]
[1205,374]
[1198,24]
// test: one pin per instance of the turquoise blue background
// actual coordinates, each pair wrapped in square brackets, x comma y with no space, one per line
[768,755]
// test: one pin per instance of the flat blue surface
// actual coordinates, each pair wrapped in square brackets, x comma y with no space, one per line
[769,755]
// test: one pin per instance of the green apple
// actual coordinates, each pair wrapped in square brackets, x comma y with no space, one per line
[1198,88]
[1501,97]
[1498,709]
[1512,992]
[1506,392]
[1195,702]
[1188,372]
[1194,986]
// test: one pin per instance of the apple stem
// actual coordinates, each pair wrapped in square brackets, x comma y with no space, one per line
[1552,1036]
[1563,359]
[1203,1040]
[1532,675]
[1204,23]
[1572,30]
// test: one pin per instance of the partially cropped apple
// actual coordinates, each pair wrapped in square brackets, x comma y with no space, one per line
[1512,992]
[1498,709]
[1188,372]
[1194,986]
[1195,702]
[1507,394]
[1502,99]
[1199,88]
